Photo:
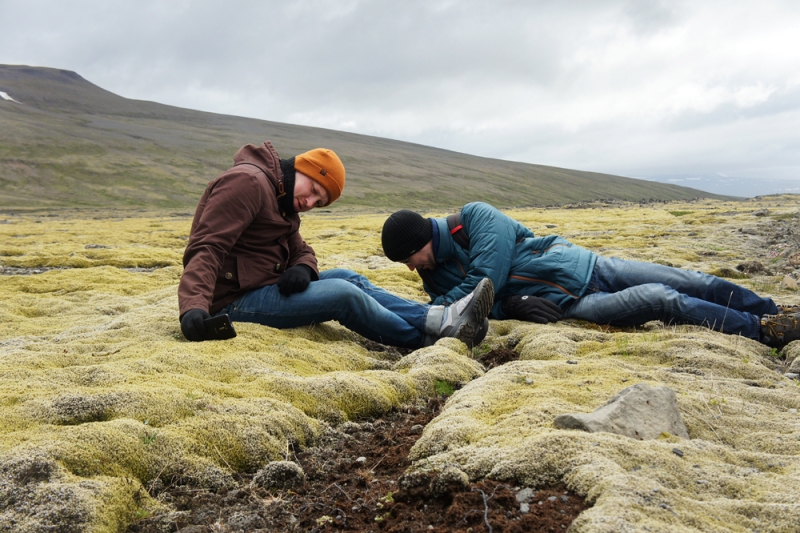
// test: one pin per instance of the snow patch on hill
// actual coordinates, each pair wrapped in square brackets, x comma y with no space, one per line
[5,96]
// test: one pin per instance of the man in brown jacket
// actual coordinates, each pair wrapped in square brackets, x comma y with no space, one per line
[246,259]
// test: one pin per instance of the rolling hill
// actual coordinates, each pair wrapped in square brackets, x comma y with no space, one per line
[65,142]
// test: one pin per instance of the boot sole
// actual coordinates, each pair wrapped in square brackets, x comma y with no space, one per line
[481,307]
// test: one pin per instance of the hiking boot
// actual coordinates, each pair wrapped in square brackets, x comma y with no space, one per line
[463,319]
[779,330]
[788,309]
[481,334]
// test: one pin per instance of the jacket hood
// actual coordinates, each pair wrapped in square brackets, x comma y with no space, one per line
[263,156]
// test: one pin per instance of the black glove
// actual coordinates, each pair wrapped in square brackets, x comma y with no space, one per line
[531,308]
[192,324]
[295,279]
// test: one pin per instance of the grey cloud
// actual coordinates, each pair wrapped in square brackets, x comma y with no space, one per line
[621,86]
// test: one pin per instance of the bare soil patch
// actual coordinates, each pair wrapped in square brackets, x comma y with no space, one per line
[353,483]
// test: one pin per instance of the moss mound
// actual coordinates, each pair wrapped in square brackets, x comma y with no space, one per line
[100,396]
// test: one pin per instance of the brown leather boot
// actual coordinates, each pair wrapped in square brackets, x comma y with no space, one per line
[779,330]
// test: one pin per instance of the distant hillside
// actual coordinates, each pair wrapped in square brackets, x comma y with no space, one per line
[65,142]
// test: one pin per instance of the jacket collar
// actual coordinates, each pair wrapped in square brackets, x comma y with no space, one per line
[445,248]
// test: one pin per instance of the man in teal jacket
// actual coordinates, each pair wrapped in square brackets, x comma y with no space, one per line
[541,279]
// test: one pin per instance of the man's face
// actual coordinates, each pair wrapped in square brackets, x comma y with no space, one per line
[308,194]
[423,259]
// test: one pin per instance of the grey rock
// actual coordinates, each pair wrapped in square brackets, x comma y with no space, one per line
[524,508]
[789,283]
[526,495]
[280,475]
[641,412]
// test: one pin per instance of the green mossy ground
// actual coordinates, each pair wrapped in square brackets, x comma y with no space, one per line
[100,395]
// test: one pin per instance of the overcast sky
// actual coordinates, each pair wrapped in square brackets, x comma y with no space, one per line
[649,89]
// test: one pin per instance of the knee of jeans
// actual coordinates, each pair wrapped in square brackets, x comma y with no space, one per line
[659,296]
[347,292]
[340,273]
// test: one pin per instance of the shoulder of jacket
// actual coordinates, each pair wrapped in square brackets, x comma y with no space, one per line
[478,207]
[251,181]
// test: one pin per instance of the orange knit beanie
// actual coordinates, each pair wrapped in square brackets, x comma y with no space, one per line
[324,167]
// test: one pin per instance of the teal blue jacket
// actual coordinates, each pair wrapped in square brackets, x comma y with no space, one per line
[510,255]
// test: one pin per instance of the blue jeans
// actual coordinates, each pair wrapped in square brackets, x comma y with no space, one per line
[630,293]
[340,295]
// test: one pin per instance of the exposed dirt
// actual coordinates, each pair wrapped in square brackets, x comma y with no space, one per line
[498,356]
[353,482]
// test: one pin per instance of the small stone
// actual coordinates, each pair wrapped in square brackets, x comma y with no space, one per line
[361,460]
[524,508]
[572,362]
[702,482]
[789,283]
[417,428]
[529,381]
[791,375]
[552,499]
[793,411]
[525,495]
[564,498]
[678,452]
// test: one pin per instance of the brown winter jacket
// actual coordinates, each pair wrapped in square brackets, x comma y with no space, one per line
[240,240]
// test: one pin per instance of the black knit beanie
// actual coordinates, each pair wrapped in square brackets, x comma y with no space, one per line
[404,234]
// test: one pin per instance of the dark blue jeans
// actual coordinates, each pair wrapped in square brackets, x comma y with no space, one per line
[630,293]
[340,295]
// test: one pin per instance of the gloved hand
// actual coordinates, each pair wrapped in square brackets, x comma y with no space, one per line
[531,308]
[192,324]
[295,279]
